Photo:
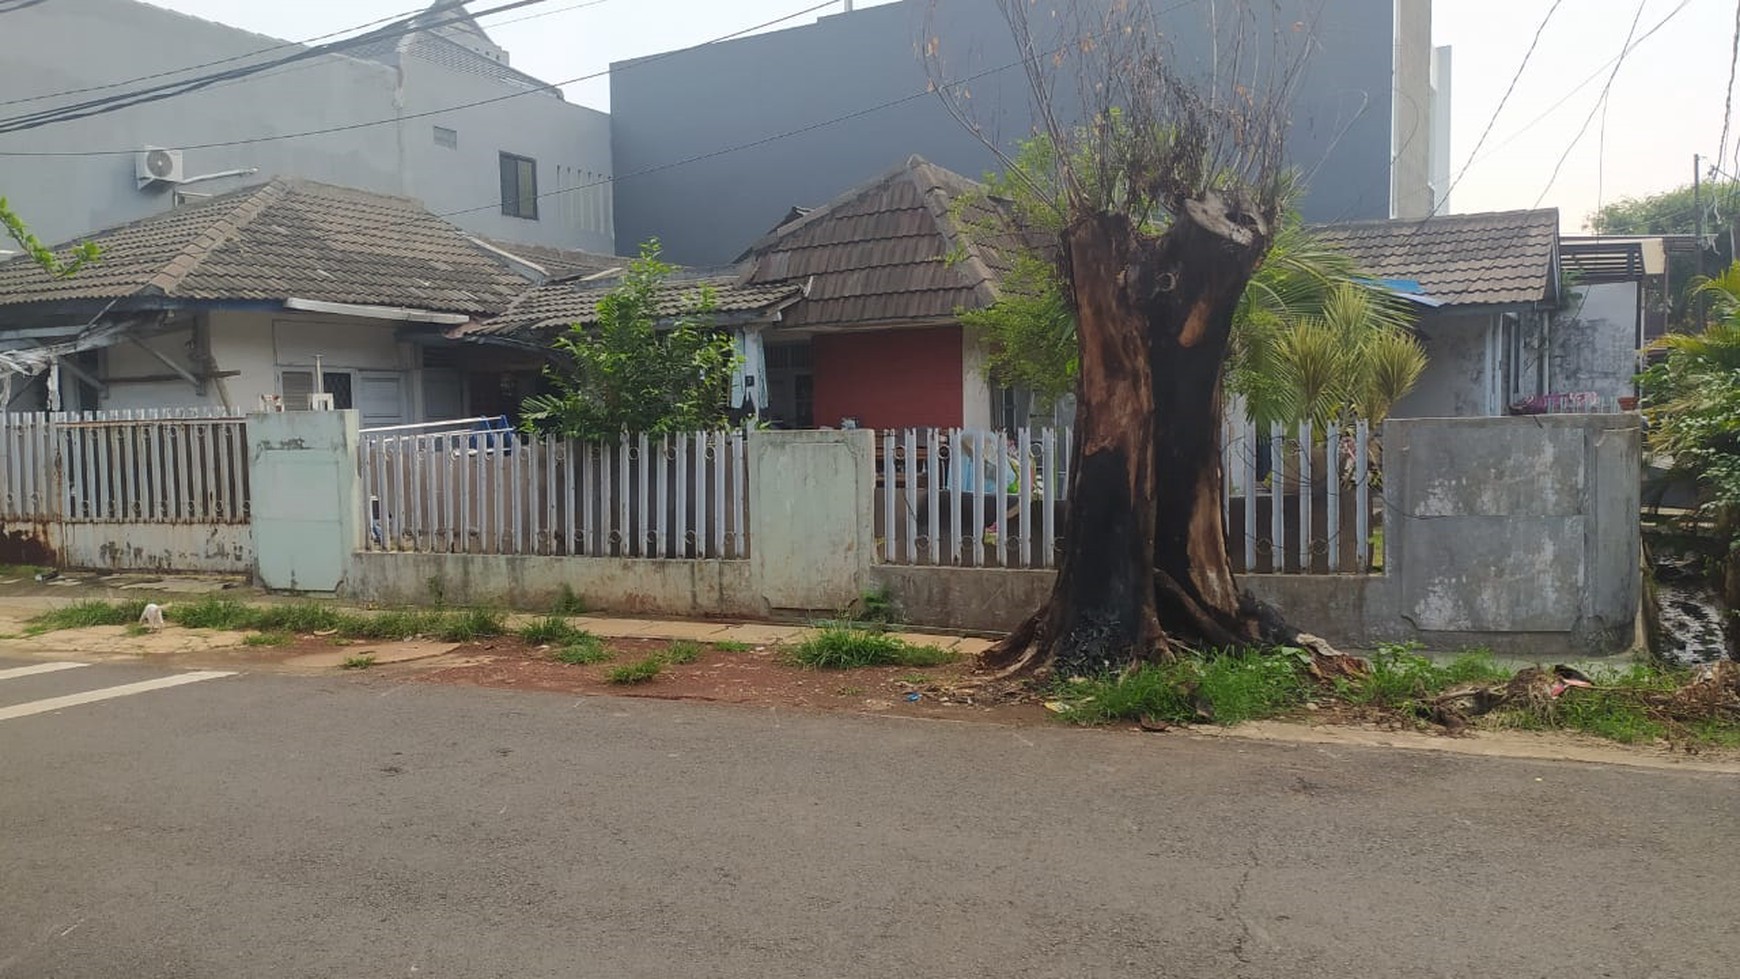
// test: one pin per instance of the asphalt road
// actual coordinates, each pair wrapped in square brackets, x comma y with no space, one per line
[359,826]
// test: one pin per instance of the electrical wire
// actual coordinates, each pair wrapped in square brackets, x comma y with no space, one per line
[166,90]
[1728,102]
[212,64]
[416,115]
[1505,99]
[1529,126]
[1606,90]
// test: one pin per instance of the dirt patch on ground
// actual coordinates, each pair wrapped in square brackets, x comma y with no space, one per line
[757,676]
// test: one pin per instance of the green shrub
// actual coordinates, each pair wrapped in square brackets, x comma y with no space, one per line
[470,625]
[212,613]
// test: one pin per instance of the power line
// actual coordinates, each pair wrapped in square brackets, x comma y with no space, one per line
[1728,103]
[1530,53]
[415,115]
[1568,96]
[166,90]
[211,64]
[1600,103]
[280,73]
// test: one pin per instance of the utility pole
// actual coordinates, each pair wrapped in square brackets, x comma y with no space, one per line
[1698,207]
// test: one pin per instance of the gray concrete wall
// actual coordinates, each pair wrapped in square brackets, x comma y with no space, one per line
[306,498]
[811,538]
[74,44]
[706,98]
[1455,382]
[696,589]
[1594,341]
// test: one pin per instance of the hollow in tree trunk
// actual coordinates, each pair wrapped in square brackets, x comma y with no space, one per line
[1144,565]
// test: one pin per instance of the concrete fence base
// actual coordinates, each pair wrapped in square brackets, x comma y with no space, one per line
[1517,534]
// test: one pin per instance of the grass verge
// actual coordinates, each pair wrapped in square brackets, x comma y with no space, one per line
[1222,687]
[582,650]
[682,653]
[847,647]
[640,671]
[550,631]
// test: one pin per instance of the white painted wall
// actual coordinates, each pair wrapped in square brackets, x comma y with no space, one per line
[976,408]
[570,143]
[386,372]
[74,44]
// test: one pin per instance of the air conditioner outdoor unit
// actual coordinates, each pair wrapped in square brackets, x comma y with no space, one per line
[155,165]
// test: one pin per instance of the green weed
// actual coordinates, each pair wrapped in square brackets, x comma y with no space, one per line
[362,662]
[682,653]
[212,613]
[732,646]
[640,671]
[568,603]
[846,647]
[268,639]
[583,650]
[470,625]
[137,629]
[549,631]
[1400,677]
[84,615]
[299,618]
[1225,687]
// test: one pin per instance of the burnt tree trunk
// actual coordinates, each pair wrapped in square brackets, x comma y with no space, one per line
[1144,563]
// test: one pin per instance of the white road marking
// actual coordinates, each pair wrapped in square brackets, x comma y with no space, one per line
[106,693]
[18,671]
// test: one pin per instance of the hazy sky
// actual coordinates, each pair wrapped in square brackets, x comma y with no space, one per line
[1665,104]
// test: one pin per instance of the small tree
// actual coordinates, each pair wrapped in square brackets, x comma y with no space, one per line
[638,369]
[1691,397]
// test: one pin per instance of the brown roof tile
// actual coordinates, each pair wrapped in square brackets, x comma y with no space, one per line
[280,240]
[892,250]
[1460,259]
[541,312]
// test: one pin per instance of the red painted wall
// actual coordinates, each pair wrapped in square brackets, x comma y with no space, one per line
[888,378]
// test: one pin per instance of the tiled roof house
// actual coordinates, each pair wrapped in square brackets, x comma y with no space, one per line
[225,300]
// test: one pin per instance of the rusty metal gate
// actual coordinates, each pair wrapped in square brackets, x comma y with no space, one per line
[158,490]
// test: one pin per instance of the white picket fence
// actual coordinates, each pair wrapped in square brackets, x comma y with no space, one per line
[1292,503]
[971,497]
[495,492]
[160,466]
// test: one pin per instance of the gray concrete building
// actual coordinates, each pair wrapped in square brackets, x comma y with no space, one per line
[713,145]
[528,167]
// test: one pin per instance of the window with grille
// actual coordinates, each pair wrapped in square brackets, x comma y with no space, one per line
[448,138]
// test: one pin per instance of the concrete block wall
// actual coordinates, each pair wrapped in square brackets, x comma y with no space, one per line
[1518,534]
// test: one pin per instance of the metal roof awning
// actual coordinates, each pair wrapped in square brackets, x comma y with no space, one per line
[1407,289]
